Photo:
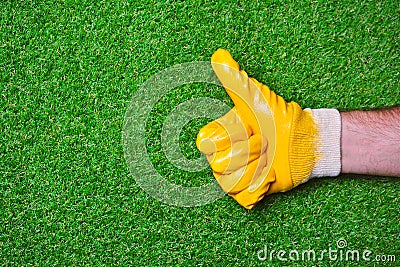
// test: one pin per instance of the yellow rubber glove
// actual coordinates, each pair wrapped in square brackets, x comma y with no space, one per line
[265,145]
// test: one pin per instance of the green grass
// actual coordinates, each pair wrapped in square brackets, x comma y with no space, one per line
[68,71]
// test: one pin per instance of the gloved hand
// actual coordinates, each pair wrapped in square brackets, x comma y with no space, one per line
[265,145]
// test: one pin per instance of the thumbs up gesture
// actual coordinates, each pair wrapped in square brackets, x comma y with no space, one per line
[265,145]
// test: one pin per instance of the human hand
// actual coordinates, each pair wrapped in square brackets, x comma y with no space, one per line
[265,145]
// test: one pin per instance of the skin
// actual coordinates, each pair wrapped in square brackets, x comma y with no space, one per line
[371,142]
[236,144]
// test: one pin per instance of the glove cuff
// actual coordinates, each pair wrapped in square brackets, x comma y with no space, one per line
[328,153]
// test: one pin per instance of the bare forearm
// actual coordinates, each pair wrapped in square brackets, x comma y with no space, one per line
[370,142]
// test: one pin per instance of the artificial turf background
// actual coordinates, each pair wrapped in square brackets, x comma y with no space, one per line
[68,71]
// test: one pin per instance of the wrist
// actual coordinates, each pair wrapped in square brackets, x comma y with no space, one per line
[328,151]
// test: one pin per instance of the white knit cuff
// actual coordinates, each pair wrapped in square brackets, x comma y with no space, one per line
[328,151]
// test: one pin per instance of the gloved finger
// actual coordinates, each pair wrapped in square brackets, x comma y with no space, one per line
[249,96]
[220,134]
[244,92]
[249,199]
[283,186]
[218,138]
[232,117]
[240,154]
[242,178]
